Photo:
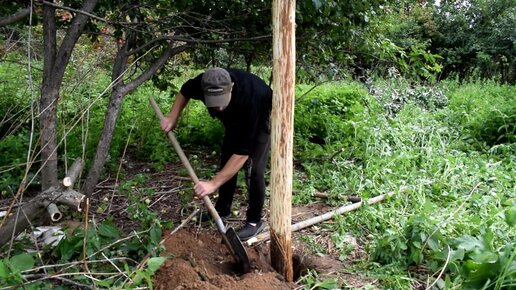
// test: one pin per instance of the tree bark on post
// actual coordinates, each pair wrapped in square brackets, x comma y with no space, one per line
[283,18]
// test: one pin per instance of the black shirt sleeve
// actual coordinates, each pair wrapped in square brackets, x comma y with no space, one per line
[191,89]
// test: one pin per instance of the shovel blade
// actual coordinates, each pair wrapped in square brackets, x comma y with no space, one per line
[237,249]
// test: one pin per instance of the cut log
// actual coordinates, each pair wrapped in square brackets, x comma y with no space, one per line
[73,173]
[264,236]
[53,212]
[47,200]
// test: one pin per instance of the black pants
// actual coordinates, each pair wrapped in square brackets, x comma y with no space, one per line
[255,175]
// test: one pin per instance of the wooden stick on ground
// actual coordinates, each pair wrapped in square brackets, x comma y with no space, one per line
[264,236]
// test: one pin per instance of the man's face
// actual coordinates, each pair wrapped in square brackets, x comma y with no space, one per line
[222,108]
[218,109]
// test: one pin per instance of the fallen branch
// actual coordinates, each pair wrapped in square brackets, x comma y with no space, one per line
[351,198]
[315,220]
[37,206]
[47,200]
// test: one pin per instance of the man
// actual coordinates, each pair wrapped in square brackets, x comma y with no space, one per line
[242,101]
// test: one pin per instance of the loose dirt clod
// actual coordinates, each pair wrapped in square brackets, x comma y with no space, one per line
[200,261]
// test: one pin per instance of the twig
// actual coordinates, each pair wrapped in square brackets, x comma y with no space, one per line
[36,269]
[62,279]
[309,222]
[311,89]
[170,191]
[442,270]
[75,10]
[114,265]
[146,258]
[85,229]
[120,168]
[449,218]
[43,277]
[157,200]
[336,153]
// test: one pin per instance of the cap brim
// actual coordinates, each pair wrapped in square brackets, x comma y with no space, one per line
[217,100]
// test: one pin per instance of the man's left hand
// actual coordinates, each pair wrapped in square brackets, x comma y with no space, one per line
[204,188]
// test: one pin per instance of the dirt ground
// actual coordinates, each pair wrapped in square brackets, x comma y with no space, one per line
[198,260]
[196,257]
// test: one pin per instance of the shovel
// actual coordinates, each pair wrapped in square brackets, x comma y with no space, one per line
[229,236]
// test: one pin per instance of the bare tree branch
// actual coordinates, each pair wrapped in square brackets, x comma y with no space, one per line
[74,32]
[196,41]
[86,13]
[151,70]
[10,19]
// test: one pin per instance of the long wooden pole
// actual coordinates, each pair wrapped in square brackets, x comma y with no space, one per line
[321,218]
[284,61]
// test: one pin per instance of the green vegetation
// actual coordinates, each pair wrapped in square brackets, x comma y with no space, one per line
[447,152]
[424,107]
[125,251]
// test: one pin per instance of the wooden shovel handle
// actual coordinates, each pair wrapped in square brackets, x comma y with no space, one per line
[188,166]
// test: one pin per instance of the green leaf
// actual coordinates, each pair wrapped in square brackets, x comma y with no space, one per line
[108,229]
[433,244]
[155,235]
[484,257]
[154,263]
[4,271]
[327,284]
[104,283]
[510,216]
[65,249]
[457,255]
[22,262]
[468,243]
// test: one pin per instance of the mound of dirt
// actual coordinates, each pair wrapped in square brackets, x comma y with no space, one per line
[198,260]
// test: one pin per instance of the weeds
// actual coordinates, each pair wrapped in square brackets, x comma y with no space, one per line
[447,151]
[433,149]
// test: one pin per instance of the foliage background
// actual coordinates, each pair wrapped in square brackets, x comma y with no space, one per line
[392,96]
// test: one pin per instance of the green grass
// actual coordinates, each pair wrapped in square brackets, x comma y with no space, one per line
[453,178]
[447,152]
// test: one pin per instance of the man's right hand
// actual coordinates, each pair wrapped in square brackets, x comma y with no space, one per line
[166,124]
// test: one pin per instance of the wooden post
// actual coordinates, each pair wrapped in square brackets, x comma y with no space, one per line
[283,86]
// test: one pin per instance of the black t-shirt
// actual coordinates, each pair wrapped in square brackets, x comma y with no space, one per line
[247,114]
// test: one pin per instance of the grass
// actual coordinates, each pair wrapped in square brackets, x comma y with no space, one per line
[447,151]
[453,180]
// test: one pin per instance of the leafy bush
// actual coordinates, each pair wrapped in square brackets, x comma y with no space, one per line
[395,93]
[485,112]
[327,116]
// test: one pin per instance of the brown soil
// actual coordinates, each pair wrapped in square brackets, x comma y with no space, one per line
[196,258]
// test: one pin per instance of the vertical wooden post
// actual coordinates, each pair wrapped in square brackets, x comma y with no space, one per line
[284,60]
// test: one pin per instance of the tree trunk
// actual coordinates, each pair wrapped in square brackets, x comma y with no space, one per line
[120,90]
[104,143]
[283,22]
[48,102]
[54,66]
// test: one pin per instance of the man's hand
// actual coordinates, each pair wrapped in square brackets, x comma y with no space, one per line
[166,124]
[204,188]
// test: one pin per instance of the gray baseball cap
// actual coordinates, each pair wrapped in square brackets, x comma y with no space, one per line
[216,85]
